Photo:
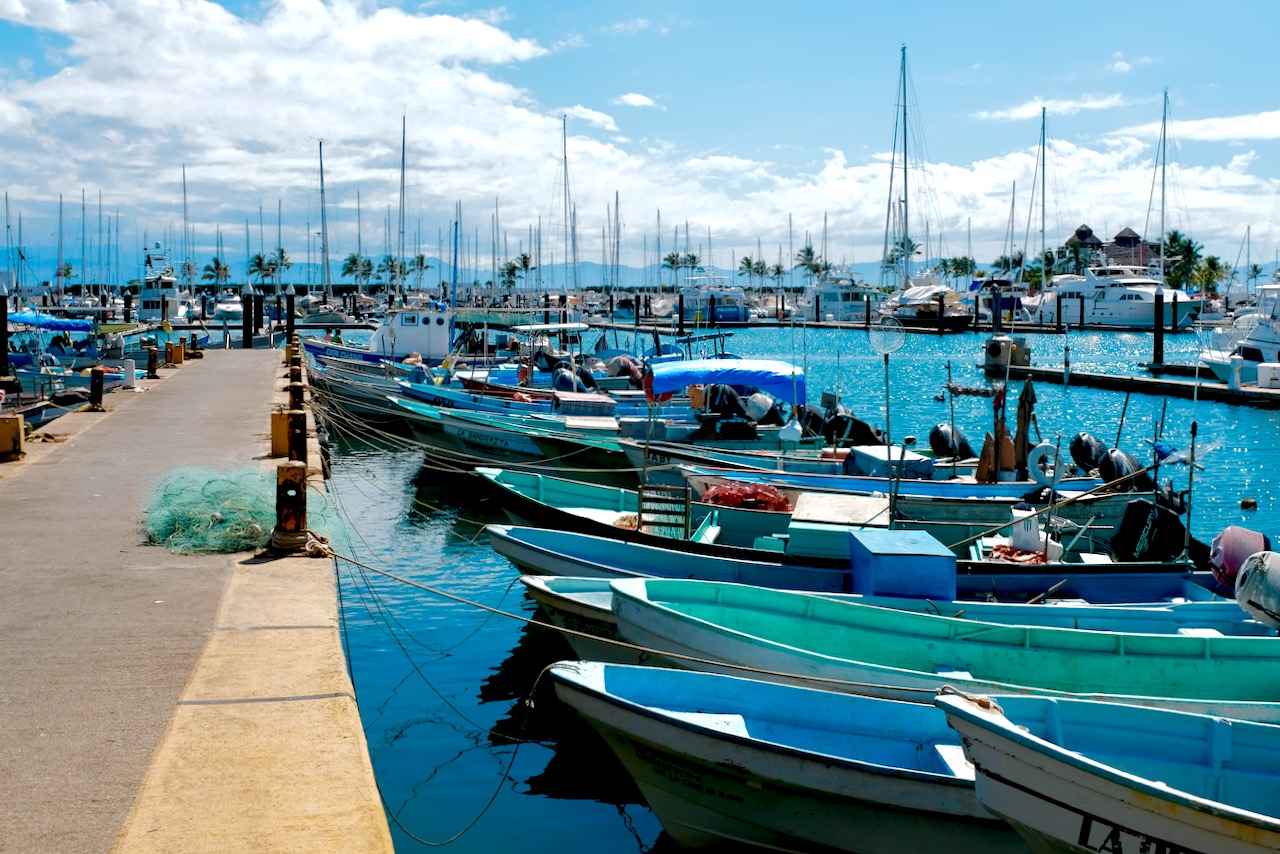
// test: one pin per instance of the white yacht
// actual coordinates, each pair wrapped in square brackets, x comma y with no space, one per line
[710,299]
[1254,339]
[1113,295]
[160,287]
[925,302]
[840,296]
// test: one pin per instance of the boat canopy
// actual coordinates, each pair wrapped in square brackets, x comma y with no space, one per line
[48,321]
[779,379]
[548,328]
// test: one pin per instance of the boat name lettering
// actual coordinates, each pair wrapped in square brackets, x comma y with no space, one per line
[1098,834]
[691,777]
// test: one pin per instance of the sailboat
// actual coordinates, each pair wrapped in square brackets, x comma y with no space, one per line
[324,308]
[923,301]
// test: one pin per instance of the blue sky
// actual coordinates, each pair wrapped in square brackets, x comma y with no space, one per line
[750,121]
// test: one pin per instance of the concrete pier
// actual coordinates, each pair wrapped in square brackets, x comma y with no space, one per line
[155,702]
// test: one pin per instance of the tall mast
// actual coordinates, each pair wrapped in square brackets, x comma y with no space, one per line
[1164,118]
[57,278]
[400,242]
[906,225]
[186,247]
[324,235]
[564,149]
[1044,168]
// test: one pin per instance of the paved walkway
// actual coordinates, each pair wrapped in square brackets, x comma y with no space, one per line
[154,702]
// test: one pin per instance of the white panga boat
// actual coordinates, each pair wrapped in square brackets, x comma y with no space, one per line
[1079,776]
[735,764]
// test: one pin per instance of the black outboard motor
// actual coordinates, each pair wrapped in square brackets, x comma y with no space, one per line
[563,379]
[724,401]
[1117,464]
[811,420]
[1087,451]
[946,441]
[841,429]
[1148,532]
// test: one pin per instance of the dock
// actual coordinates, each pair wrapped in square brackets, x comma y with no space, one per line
[1167,384]
[159,702]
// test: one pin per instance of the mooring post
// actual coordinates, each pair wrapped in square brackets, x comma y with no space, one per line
[942,312]
[680,316]
[297,435]
[1082,312]
[1058,314]
[246,318]
[817,307]
[153,363]
[1157,348]
[4,331]
[711,312]
[128,306]
[295,388]
[168,352]
[290,532]
[97,381]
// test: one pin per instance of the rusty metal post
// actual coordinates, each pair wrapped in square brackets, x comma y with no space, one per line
[295,394]
[297,435]
[168,352]
[153,362]
[290,532]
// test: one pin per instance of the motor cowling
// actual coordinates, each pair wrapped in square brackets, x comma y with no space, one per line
[1258,587]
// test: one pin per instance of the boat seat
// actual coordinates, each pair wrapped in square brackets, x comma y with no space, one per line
[706,534]
[770,544]
[952,755]
[1191,631]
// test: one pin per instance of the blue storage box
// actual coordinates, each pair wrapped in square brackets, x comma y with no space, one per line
[901,563]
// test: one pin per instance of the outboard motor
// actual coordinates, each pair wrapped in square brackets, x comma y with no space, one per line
[563,379]
[1087,451]
[1258,587]
[1117,464]
[841,429]
[946,441]
[724,401]
[811,419]
[1229,550]
[765,411]
[1148,532]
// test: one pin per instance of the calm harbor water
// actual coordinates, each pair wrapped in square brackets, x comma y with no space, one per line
[441,685]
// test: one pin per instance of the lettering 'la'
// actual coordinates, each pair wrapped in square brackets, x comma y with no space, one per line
[1097,834]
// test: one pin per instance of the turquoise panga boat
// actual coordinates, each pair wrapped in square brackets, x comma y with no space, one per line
[788,636]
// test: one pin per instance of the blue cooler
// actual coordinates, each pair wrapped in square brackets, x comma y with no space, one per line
[901,563]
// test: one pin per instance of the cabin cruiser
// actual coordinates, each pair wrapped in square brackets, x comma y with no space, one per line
[926,303]
[160,298]
[839,296]
[1112,295]
[1254,339]
[709,299]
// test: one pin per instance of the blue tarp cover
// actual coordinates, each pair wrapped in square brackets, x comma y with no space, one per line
[48,321]
[780,379]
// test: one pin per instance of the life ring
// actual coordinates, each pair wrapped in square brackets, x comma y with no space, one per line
[648,390]
[1041,472]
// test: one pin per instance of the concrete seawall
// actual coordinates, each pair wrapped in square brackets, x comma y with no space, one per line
[157,702]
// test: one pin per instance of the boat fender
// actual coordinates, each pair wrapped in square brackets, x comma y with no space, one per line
[1258,587]
[648,390]
[1041,463]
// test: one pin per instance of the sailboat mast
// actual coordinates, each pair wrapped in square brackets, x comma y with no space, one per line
[564,156]
[400,243]
[324,235]
[1164,118]
[906,227]
[1044,168]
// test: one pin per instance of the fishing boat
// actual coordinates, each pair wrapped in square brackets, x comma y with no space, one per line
[791,636]
[838,295]
[160,300]
[540,551]
[585,607]
[711,300]
[927,303]
[735,764]
[1075,776]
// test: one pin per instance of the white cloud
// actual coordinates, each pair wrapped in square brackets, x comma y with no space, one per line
[1252,126]
[631,27]
[1121,67]
[1055,106]
[595,118]
[633,99]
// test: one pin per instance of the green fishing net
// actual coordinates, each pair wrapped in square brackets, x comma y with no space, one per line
[198,511]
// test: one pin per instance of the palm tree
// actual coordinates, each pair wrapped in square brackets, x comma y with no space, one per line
[510,271]
[1209,272]
[1182,257]
[217,272]
[418,265]
[674,262]
[808,260]
[64,273]
[366,270]
[259,266]
[351,266]
[1252,274]
[747,267]
[280,262]
[525,263]
[692,262]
